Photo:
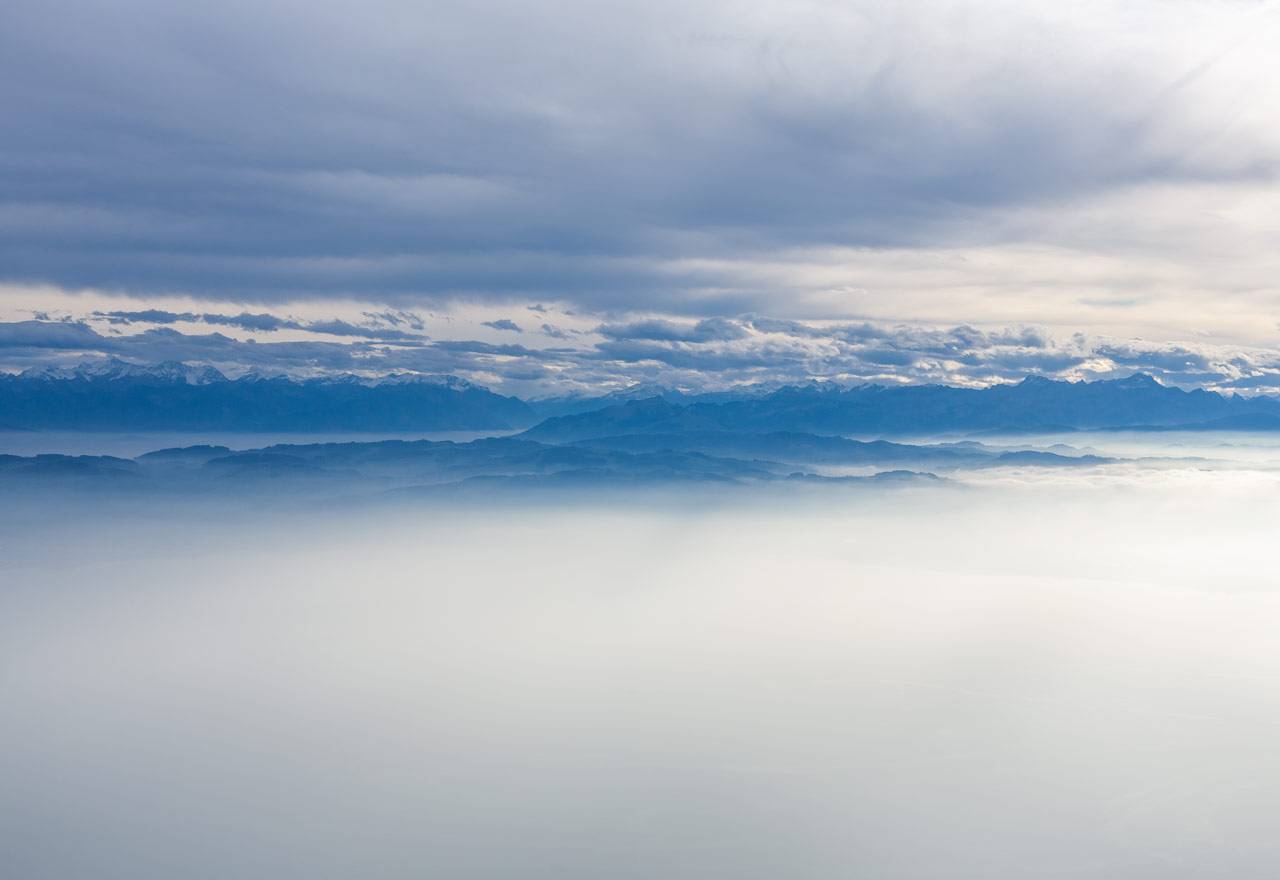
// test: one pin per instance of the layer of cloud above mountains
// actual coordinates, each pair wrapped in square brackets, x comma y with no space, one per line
[903,187]
[705,354]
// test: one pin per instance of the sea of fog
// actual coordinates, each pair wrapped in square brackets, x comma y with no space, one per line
[1029,675]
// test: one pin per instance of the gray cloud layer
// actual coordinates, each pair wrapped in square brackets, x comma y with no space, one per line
[261,323]
[597,154]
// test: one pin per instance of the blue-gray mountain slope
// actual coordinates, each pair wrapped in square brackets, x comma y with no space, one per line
[174,397]
[1035,404]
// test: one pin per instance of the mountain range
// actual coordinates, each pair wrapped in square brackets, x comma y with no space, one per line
[117,395]
[1034,405]
[422,466]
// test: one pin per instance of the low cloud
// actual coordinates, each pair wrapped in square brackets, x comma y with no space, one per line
[707,330]
[555,332]
[245,321]
[53,335]
[147,316]
[261,323]
[395,318]
[703,355]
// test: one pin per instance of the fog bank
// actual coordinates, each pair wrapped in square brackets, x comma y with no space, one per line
[997,683]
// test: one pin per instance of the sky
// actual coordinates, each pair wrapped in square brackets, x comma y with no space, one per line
[567,197]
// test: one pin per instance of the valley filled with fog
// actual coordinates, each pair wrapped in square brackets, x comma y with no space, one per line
[639,440]
[1013,672]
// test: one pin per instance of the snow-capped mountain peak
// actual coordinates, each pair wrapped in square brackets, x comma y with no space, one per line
[116,368]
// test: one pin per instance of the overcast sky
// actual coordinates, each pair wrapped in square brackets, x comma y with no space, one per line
[571,195]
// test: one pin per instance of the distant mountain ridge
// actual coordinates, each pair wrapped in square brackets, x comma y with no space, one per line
[575,404]
[1035,404]
[113,369]
[117,395]
[351,469]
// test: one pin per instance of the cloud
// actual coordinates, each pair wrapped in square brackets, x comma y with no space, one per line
[59,335]
[707,330]
[473,345]
[149,316]
[555,332]
[245,321]
[263,323]
[749,349]
[810,160]
[504,324]
[345,328]
[395,318]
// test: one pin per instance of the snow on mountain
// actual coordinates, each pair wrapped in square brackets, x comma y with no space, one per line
[111,369]
[115,368]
